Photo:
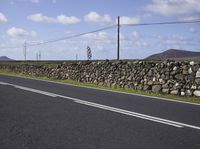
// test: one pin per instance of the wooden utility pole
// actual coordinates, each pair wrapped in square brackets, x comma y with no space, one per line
[24,50]
[39,55]
[36,56]
[118,37]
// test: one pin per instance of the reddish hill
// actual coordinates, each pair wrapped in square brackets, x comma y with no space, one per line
[174,53]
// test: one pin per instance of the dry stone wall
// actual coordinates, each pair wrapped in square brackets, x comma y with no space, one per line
[167,77]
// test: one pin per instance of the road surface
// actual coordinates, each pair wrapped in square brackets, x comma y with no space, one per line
[38,114]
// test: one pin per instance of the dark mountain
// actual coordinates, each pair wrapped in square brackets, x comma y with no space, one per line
[174,54]
[5,58]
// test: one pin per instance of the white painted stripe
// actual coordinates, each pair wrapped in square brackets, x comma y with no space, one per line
[134,94]
[108,108]
[139,115]
[3,83]
[30,89]
[125,112]
[35,91]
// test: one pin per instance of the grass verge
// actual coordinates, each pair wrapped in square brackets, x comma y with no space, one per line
[125,90]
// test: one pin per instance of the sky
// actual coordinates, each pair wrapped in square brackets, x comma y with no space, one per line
[38,21]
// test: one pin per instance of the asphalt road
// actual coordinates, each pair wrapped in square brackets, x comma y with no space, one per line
[44,115]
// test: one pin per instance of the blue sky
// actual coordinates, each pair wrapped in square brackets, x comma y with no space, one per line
[35,21]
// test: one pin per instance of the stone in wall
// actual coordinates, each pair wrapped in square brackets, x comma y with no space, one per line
[156,88]
[197,93]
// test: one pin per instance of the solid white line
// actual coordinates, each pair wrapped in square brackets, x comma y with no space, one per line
[108,108]
[35,91]
[3,83]
[125,112]
[134,94]
[30,89]
[139,115]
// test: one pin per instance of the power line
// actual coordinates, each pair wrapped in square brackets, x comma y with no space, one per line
[59,39]
[72,36]
[12,47]
[163,23]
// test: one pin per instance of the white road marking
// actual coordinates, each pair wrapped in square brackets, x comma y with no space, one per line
[3,83]
[108,108]
[36,91]
[30,89]
[125,112]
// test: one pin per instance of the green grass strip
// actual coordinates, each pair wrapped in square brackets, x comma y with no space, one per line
[124,90]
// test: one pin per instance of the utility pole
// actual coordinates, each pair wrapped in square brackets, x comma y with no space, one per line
[118,37]
[24,50]
[39,55]
[36,56]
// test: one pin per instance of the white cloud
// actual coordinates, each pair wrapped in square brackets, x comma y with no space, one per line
[35,1]
[188,18]
[94,17]
[174,7]
[176,41]
[135,35]
[129,20]
[32,33]
[100,37]
[147,15]
[193,30]
[54,1]
[134,40]
[3,18]
[39,17]
[141,44]
[11,3]
[67,20]
[32,1]
[62,19]
[68,33]
[19,32]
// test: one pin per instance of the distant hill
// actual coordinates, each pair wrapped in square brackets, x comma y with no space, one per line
[175,54]
[5,58]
